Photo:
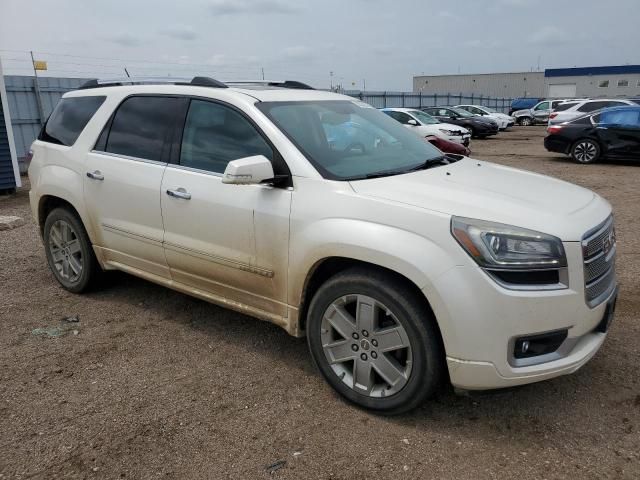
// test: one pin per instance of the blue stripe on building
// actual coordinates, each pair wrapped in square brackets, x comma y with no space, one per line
[580,71]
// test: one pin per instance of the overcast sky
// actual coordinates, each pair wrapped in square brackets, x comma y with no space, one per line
[384,42]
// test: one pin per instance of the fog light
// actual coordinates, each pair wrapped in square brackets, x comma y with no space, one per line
[541,344]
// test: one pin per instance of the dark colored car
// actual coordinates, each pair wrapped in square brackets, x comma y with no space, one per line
[608,133]
[523,103]
[480,127]
[447,146]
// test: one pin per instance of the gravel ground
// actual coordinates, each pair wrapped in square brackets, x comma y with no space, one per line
[151,383]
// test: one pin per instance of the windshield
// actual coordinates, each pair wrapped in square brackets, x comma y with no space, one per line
[423,117]
[349,140]
[462,112]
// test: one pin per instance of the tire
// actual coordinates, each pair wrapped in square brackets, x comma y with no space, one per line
[525,121]
[69,252]
[585,151]
[391,382]
[472,131]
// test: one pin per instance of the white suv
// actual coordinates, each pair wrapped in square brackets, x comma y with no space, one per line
[319,213]
[573,109]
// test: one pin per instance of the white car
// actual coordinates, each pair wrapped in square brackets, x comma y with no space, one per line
[401,266]
[572,109]
[504,121]
[425,125]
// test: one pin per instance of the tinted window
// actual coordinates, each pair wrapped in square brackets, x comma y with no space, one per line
[69,118]
[142,125]
[565,106]
[215,134]
[593,106]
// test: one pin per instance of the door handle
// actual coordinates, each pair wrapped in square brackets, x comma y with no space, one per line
[95,175]
[179,193]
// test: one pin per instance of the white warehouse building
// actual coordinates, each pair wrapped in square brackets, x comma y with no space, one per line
[611,81]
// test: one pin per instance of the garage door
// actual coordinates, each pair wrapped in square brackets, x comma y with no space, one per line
[562,90]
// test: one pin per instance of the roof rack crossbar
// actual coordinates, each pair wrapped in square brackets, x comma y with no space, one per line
[195,81]
[294,84]
[113,82]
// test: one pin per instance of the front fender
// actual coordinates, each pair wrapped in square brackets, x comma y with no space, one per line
[415,257]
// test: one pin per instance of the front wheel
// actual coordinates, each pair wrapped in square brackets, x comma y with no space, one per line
[375,341]
[585,151]
[525,121]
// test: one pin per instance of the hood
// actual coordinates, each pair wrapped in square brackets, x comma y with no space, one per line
[486,191]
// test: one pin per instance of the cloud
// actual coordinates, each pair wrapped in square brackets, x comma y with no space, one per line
[125,39]
[180,32]
[548,35]
[298,53]
[262,7]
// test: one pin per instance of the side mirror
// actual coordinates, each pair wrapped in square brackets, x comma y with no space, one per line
[412,122]
[248,171]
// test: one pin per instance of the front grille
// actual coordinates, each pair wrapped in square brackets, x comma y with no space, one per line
[599,253]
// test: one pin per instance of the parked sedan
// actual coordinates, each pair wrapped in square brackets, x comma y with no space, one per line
[478,126]
[504,121]
[448,147]
[425,125]
[608,133]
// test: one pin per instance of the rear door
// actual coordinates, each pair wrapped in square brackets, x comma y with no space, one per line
[541,112]
[123,178]
[619,132]
[230,241]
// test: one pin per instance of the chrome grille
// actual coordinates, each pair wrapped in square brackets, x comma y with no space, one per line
[599,252]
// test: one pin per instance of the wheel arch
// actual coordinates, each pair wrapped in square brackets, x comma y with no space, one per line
[328,267]
[49,202]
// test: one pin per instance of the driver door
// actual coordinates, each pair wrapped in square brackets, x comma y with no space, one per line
[541,112]
[230,241]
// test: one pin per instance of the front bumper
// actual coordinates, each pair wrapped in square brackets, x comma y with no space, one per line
[480,319]
[461,139]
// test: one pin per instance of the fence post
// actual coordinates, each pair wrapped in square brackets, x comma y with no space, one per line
[36,90]
[472,98]
[420,99]
[448,99]
[384,99]
[403,99]
[435,99]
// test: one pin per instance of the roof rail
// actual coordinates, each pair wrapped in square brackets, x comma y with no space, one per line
[115,82]
[294,84]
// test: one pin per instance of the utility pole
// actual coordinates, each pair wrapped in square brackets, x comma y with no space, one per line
[364,85]
[262,68]
[331,80]
[36,88]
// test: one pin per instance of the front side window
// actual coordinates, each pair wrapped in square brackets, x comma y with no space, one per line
[141,127]
[592,106]
[347,140]
[565,106]
[69,118]
[215,134]
[399,116]
[542,106]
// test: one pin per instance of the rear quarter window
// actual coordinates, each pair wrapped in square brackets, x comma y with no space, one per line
[69,118]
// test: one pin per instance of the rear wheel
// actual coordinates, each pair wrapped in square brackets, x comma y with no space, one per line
[69,252]
[375,341]
[585,151]
[524,121]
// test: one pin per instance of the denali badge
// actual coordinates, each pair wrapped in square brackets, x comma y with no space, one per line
[609,241]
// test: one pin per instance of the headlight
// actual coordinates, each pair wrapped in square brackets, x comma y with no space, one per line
[503,247]
[447,132]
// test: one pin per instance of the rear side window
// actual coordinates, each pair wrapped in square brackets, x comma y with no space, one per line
[142,125]
[593,106]
[215,134]
[69,118]
[565,106]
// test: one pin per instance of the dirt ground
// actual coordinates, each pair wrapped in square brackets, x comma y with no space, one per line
[151,383]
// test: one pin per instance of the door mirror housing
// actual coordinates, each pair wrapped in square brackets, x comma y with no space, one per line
[248,171]
[412,122]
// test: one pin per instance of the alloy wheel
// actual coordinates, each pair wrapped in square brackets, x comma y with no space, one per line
[66,251]
[585,152]
[366,346]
